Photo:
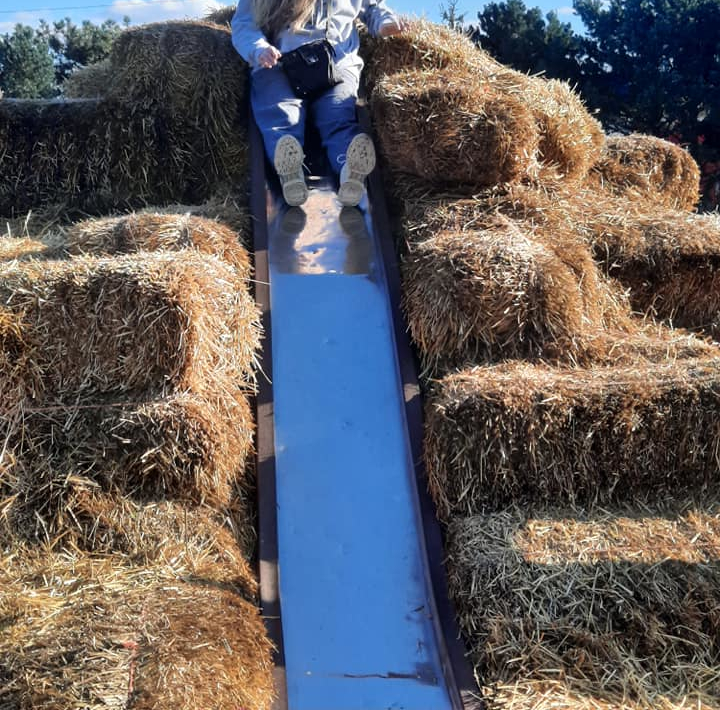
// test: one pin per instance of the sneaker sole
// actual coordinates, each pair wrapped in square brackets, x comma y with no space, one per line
[288,162]
[360,161]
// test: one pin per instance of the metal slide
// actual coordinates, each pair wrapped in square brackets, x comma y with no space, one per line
[347,582]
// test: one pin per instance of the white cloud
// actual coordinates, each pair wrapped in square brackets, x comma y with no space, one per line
[142,11]
[566,10]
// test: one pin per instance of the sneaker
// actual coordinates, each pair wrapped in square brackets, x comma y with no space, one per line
[359,163]
[288,162]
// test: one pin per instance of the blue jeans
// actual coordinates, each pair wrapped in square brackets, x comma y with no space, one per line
[279,112]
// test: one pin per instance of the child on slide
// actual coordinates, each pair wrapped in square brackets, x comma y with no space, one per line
[264,30]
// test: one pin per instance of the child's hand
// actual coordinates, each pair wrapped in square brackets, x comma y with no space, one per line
[268,57]
[393,28]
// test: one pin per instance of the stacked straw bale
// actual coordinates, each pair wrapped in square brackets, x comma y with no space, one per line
[192,71]
[125,523]
[649,167]
[170,127]
[73,151]
[569,141]
[666,259]
[151,323]
[495,292]
[448,131]
[534,433]
[183,447]
[92,631]
[548,389]
[90,82]
[479,286]
[154,232]
[569,608]
[129,372]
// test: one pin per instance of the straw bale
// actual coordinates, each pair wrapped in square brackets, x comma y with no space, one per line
[90,82]
[22,249]
[182,447]
[151,322]
[42,223]
[667,259]
[451,132]
[191,66]
[13,380]
[227,205]
[424,46]
[88,154]
[222,16]
[649,167]
[570,139]
[490,294]
[155,231]
[191,73]
[571,608]
[178,138]
[97,631]
[480,286]
[498,293]
[530,432]
[206,542]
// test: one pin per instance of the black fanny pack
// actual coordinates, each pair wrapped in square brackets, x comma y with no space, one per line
[311,69]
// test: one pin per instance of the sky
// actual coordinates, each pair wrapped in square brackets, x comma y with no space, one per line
[140,11]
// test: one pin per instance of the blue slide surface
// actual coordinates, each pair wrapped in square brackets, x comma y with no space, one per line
[358,626]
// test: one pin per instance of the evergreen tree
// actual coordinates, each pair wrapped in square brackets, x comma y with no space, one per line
[655,64]
[525,40]
[76,46]
[26,66]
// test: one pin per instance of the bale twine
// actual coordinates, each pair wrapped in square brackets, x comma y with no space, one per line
[158,232]
[90,82]
[143,323]
[450,132]
[533,433]
[591,608]
[651,168]
[96,631]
